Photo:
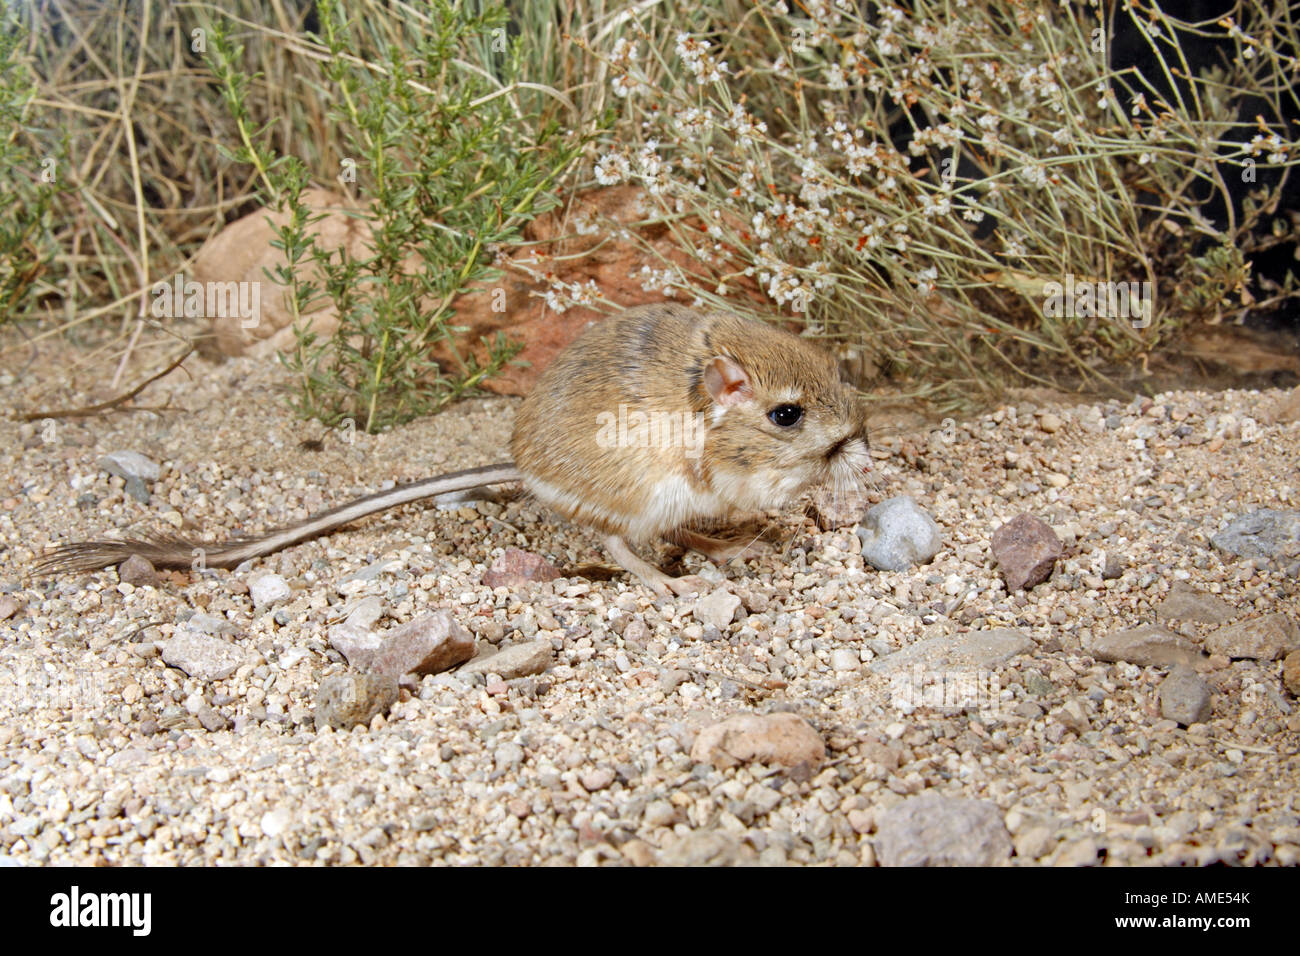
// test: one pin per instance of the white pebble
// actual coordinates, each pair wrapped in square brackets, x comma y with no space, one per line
[845,660]
[275,822]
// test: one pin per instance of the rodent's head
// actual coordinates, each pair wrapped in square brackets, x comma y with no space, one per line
[780,419]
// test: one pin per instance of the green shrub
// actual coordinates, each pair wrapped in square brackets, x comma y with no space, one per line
[30,180]
[450,164]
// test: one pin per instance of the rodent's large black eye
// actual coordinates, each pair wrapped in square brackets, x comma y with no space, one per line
[785,415]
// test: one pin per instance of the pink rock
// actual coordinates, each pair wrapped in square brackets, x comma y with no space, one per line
[785,739]
[1026,550]
[610,254]
[1291,673]
[1148,646]
[426,644]
[1262,638]
[517,567]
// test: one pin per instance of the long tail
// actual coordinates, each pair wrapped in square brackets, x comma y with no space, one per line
[173,551]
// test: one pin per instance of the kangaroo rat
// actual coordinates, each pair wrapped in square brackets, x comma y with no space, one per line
[650,421]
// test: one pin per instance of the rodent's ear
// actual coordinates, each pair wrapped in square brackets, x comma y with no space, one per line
[727,381]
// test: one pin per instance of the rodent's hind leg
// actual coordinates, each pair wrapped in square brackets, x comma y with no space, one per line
[719,550]
[647,573]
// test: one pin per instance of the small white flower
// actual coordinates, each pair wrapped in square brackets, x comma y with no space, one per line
[693,121]
[623,54]
[695,56]
[742,123]
[612,169]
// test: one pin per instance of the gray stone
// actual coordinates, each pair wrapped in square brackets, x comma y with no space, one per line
[1026,549]
[934,830]
[357,645]
[346,700]
[896,535]
[1184,696]
[1262,638]
[1114,566]
[211,720]
[426,644]
[210,624]
[518,660]
[1264,533]
[973,649]
[1038,685]
[130,464]
[1186,603]
[267,589]
[202,656]
[717,608]
[137,571]
[879,647]
[137,489]
[373,570]
[1147,646]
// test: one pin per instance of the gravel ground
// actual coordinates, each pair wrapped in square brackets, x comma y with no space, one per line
[110,756]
